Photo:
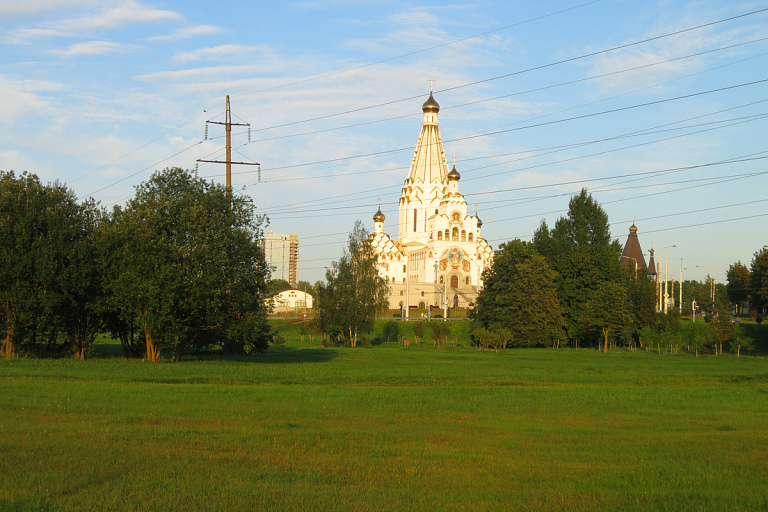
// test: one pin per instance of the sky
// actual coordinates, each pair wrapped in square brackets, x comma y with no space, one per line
[659,108]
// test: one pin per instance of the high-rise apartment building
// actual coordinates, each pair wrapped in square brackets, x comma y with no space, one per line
[282,255]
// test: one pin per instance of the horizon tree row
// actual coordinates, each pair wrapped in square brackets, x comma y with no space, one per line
[178,267]
[567,286]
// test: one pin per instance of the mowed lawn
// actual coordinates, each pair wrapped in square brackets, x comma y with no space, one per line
[383,428]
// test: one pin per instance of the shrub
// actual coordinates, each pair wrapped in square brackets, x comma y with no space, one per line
[759,320]
[390,330]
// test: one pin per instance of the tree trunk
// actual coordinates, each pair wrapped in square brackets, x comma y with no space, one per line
[738,349]
[176,353]
[8,350]
[605,347]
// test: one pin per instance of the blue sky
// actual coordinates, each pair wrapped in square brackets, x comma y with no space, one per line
[538,99]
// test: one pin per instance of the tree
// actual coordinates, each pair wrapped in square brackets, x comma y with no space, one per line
[739,284]
[49,281]
[353,293]
[723,327]
[607,310]
[579,248]
[641,293]
[520,296]
[188,268]
[759,278]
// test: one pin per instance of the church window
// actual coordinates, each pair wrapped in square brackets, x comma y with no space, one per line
[455,234]
[414,219]
[463,235]
[422,294]
[403,279]
[439,235]
[404,270]
[401,294]
[441,280]
[435,211]
[470,237]
[468,281]
[446,235]
[454,281]
[393,279]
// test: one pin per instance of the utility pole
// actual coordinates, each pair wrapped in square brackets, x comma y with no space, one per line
[228,124]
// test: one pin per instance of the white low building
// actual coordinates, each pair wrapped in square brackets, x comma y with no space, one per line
[292,299]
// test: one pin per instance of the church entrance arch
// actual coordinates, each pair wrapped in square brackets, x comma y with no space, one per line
[454,281]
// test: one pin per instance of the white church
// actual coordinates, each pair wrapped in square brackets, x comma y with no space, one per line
[439,256]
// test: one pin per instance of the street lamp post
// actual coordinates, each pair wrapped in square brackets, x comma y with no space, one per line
[662,297]
[633,259]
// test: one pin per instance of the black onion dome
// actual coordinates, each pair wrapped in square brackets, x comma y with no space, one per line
[479,222]
[378,217]
[454,175]
[430,105]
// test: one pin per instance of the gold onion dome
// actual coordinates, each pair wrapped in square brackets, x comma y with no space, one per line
[633,229]
[454,174]
[378,217]
[431,105]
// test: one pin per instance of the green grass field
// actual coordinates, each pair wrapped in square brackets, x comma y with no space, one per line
[383,428]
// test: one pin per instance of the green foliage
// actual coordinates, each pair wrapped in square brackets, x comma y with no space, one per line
[186,266]
[50,282]
[391,330]
[607,311]
[759,278]
[418,331]
[580,250]
[353,293]
[519,295]
[739,283]
[440,333]
[277,285]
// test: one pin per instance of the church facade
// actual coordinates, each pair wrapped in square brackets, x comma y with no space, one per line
[439,255]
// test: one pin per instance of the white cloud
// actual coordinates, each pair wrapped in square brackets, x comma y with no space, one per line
[26,35]
[125,13]
[19,97]
[187,32]
[10,9]
[216,52]
[91,48]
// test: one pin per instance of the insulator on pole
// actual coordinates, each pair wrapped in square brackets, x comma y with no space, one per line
[259,174]
[249,134]
[206,131]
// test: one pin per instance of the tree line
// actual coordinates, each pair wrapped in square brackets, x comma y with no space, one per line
[567,286]
[178,267]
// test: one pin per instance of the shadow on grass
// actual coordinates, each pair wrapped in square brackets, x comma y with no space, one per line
[273,355]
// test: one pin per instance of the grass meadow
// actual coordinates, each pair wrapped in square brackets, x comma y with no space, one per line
[303,427]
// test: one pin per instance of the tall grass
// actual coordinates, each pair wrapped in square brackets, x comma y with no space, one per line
[304,427]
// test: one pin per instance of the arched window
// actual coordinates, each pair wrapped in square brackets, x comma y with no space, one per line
[435,211]
[439,235]
[403,279]
[468,281]
[422,294]
[455,234]
[454,281]
[470,236]
[393,279]
[463,235]
[447,236]
[441,280]
[404,269]
[422,305]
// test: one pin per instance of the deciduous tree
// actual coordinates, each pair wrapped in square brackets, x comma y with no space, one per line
[520,296]
[739,284]
[353,292]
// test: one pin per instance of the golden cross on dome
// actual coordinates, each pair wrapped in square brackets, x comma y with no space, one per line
[454,160]
[379,203]
[431,83]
